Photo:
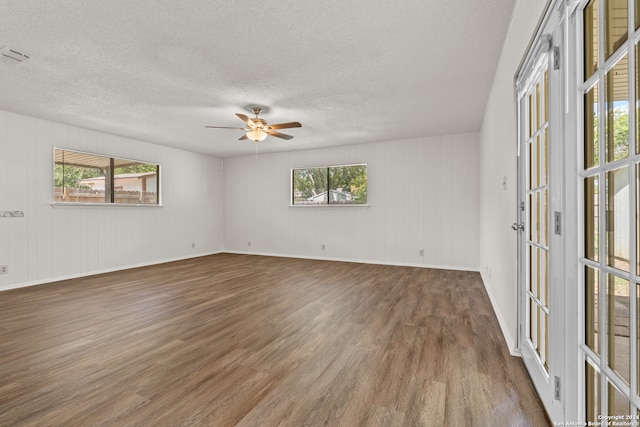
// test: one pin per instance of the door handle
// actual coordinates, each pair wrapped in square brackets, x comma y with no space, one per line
[515,226]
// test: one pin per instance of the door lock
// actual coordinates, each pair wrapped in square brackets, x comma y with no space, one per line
[515,226]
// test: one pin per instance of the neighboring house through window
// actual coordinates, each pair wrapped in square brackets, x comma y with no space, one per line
[93,178]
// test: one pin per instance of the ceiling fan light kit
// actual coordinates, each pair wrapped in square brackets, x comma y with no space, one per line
[256,135]
[257,128]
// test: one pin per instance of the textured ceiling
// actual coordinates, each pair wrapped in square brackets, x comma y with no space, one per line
[159,70]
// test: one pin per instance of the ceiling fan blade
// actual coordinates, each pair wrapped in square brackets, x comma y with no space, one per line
[277,134]
[223,127]
[285,125]
[246,119]
[243,137]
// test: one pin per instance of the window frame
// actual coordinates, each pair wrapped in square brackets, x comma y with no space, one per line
[328,204]
[113,161]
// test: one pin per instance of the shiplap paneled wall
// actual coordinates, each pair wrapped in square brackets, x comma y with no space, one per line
[50,243]
[498,158]
[423,194]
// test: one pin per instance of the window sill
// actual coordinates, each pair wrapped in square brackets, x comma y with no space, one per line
[335,206]
[107,205]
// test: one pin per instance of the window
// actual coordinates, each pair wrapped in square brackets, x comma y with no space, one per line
[330,185]
[92,178]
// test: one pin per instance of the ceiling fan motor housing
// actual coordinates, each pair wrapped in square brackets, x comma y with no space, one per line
[259,122]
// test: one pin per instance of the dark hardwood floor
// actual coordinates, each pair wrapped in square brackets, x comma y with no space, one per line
[229,340]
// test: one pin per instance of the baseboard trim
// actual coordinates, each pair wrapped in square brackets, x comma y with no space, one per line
[107,270]
[513,349]
[359,261]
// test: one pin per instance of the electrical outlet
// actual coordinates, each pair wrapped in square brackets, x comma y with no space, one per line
[323,247]
[193,245]
[249,243]
[4,269]
[421,252]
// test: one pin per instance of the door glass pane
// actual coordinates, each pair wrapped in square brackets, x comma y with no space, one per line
[544,277]
[617,105]
[637,339]
[529,165]
[615,25]
[530,121]
[538,217]
[533,209]
[545,92]
[532,323]
[618,344]
[590,16]
[537,291]
[637,82]
[531,278]
[545,354]
[545,217]
[592,391]
[617,402]
[637,8]
[591,209]
[543,332]
[591,127]
[539,335]
[537,161]
[535,325]
[638,220]
[533,162]
[538,102]
[618,231]
[592,292]
[544,158]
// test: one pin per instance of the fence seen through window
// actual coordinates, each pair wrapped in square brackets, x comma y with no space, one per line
[92,178]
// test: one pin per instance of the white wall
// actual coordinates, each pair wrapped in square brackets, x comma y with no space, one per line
[423,195]
[50,243]
[498,157]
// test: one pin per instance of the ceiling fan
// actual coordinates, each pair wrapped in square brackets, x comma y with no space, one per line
[257,129]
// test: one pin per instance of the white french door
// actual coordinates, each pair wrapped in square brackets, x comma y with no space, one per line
[579,211]
[541,133]
[609,177]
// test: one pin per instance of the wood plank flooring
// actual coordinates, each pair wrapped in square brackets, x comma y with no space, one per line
[228,340]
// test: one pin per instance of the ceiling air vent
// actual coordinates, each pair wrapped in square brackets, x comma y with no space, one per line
[12,56]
